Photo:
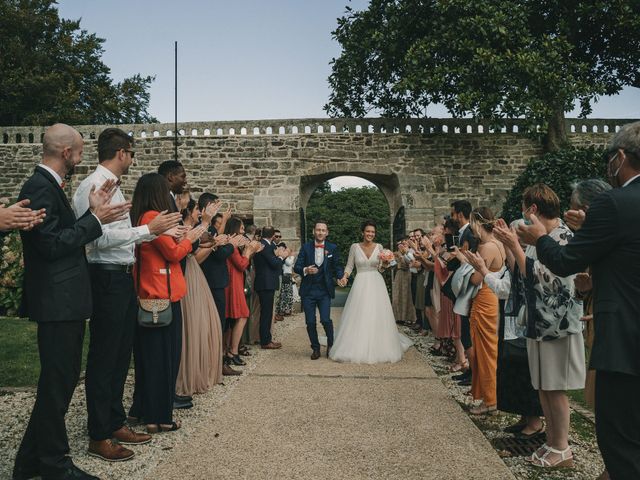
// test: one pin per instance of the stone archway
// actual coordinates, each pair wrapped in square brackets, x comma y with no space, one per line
[388,183]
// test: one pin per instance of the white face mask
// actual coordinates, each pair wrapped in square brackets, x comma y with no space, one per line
[613,176]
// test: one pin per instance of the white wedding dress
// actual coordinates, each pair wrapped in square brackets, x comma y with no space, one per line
[368,332]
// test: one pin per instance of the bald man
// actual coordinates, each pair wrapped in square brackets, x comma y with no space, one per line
[57,295]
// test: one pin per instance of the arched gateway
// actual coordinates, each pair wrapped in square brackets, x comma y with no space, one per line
[269,168]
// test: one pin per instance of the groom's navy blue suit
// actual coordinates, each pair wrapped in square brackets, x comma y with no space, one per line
[316,291]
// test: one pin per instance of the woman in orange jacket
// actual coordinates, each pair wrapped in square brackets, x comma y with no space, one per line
[158,275]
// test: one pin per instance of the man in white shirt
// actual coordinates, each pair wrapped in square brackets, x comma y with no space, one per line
[111,258]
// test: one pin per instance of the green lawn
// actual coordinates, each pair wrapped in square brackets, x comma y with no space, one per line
[19,362]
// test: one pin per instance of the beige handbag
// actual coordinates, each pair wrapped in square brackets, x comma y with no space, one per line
[154,312]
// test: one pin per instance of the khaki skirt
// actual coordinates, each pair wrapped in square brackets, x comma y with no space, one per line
[557,364]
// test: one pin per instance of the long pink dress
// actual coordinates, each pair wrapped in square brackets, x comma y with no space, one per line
[201,361]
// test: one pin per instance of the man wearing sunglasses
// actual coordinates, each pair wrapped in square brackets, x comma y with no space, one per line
[111,258]
[609,242]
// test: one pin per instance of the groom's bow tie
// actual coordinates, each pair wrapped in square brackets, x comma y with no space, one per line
[319,245]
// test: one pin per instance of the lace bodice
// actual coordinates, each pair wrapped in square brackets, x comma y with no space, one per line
[359,260]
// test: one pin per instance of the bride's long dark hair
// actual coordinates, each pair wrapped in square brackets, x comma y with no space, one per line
[368,223]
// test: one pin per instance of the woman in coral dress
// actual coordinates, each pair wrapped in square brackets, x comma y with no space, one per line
[237,310]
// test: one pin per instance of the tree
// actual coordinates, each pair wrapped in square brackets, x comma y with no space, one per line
[492,60]
[51,71]
[345,210]
[559,170]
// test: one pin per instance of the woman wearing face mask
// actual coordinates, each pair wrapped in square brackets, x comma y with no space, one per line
[554,330]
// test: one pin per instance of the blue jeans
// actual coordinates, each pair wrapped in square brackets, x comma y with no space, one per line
[321,300]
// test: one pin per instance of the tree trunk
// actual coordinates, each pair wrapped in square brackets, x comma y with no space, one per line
[556,136]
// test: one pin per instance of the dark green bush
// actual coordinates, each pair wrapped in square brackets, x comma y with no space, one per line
[559,170]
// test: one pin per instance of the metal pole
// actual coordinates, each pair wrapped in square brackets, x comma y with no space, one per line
[175,118]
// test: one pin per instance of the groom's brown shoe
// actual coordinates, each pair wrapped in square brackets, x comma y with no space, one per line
[315,354]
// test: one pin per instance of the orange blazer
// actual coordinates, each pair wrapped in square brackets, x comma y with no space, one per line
[153,258]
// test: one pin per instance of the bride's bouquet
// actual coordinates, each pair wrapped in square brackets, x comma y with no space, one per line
[387,258]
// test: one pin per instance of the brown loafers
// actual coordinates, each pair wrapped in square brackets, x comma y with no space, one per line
[228,371]
[272,346]
[109,450]
[315,354]
[126,436]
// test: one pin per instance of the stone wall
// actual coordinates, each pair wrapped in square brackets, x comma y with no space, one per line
[421,165]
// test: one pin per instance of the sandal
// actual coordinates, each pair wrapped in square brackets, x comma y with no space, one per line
[244,351]
[459,367]
[562,462]
[436,351]
[162,428]
[483,410]
[534,456]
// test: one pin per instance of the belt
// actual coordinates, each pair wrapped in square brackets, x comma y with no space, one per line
[113,267]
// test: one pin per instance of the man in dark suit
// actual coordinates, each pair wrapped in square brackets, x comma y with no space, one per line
[461,213]
[268,265]
[57,295]
[319,265]
[609,243]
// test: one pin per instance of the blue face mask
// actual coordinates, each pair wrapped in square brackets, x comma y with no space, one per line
[524,216]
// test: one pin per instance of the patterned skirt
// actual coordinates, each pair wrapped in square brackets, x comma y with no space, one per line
[285,301]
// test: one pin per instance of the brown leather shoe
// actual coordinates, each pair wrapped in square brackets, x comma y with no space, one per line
[277,344]
[279,318]
[228,371]
[126,436]
[109,450]
[272,346]
[315,354]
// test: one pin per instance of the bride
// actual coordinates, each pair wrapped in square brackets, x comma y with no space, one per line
[367,332]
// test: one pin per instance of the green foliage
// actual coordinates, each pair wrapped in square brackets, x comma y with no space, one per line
[559,170]
[11,274]
[488,59]
[19,359]
[52,72]
[345,210]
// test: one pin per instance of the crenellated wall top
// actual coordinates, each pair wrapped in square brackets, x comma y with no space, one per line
[33,134]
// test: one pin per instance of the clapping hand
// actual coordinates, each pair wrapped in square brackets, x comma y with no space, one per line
[100,203]
[235,240]
[164,221]
[282,252]
[575,219]
[226,215]
[178,232]
[20,216]
[221,240]
[476,261]
[529,234]
[182,200]
[195,233]
[506,235]
[210,211]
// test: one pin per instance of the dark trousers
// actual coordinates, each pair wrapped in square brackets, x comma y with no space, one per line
[112,328]
[221,305]
[45,444]
[414,296]
[155,352]
[320,299]
[465,332]
[618,423]
[266,315]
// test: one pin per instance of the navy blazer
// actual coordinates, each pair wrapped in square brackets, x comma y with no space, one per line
[332,266]
[608,242]
[57,286]
[268,268]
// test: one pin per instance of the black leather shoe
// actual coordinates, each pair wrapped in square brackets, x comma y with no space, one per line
[237,361]
[71,473]
[465,382]
[182,398]
[181,405]
[463,376]
[315,354]
[328,350]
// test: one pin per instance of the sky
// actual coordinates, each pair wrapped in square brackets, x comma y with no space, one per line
[239,60]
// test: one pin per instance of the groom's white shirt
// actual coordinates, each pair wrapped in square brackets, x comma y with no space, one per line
[318,257]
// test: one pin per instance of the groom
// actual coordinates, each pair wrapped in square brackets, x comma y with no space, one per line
[318,263]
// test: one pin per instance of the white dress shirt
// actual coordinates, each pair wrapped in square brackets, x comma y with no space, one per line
[117,243]
[319,256]
[630,180]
